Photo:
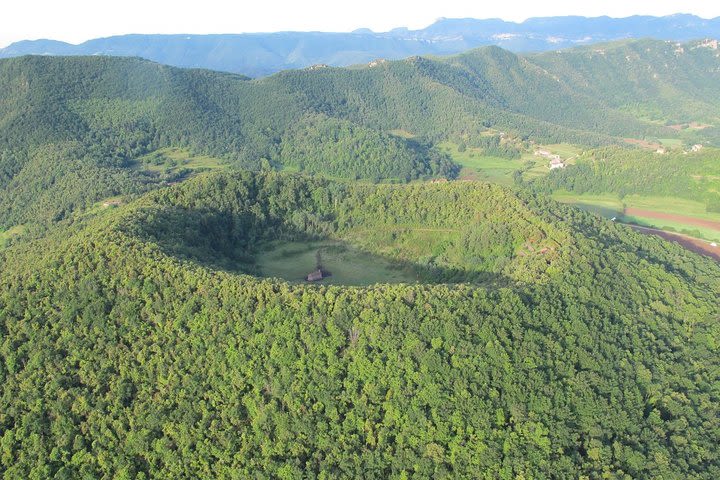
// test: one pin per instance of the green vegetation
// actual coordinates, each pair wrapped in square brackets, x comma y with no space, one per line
[130,346]
[293,261]
[154,322]
[656,81]
[319,144]
[608,206]
[525,163]
[75,129]
[477,165]
[686,186]
[178,163]
[686,215]
[8,235]
[679,226]
[692,176]
[566,151]
[671,142]
[478,243]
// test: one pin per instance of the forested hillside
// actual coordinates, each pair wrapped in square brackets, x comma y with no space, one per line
[134,346]
[204,275]
[664,82]
[71,121]
[693,176]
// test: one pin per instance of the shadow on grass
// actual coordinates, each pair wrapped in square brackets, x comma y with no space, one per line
[263,247]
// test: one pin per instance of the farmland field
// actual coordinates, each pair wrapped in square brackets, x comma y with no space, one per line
[608,205]
[477,166]
[665,213]
[565,150]
[671,142]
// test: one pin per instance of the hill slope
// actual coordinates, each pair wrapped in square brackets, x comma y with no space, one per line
[100,115]
[126,352]
[663,82]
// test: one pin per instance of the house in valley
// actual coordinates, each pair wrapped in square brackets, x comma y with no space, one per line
[556,162]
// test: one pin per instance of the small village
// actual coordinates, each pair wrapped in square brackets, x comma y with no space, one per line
[555,160]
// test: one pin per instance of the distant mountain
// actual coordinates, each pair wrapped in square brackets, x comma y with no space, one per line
[266,53]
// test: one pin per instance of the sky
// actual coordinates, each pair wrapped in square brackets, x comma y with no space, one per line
[75,21]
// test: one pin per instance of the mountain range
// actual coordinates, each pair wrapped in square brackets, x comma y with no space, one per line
[261,54]
[99,115]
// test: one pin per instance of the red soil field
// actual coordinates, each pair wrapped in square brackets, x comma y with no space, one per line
[698,222]
[693,244]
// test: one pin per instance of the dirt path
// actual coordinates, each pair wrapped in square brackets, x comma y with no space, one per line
[693,244]
[698,222]
[400,228]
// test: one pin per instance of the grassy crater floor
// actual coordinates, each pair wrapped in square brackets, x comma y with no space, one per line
[347,265]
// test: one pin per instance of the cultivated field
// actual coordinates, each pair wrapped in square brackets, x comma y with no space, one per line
[665,213]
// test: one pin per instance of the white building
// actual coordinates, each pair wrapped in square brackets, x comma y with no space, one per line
[556,163]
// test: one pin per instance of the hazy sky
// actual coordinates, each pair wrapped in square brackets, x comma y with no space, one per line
[78,20]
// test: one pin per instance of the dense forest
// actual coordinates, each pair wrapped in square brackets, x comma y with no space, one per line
[69,121]
[145,334]
[127,352]
[664,82]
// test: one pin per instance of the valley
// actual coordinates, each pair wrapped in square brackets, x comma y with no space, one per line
[665,213]
[431,267]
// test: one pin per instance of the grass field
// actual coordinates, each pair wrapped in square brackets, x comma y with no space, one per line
[172,160]
[671,142]
[565,150]
[7,235]
[292,261]
[672,226]
[679,206]
[477,166]
[401,133]
[607,206]
[688,211]
[104,205]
